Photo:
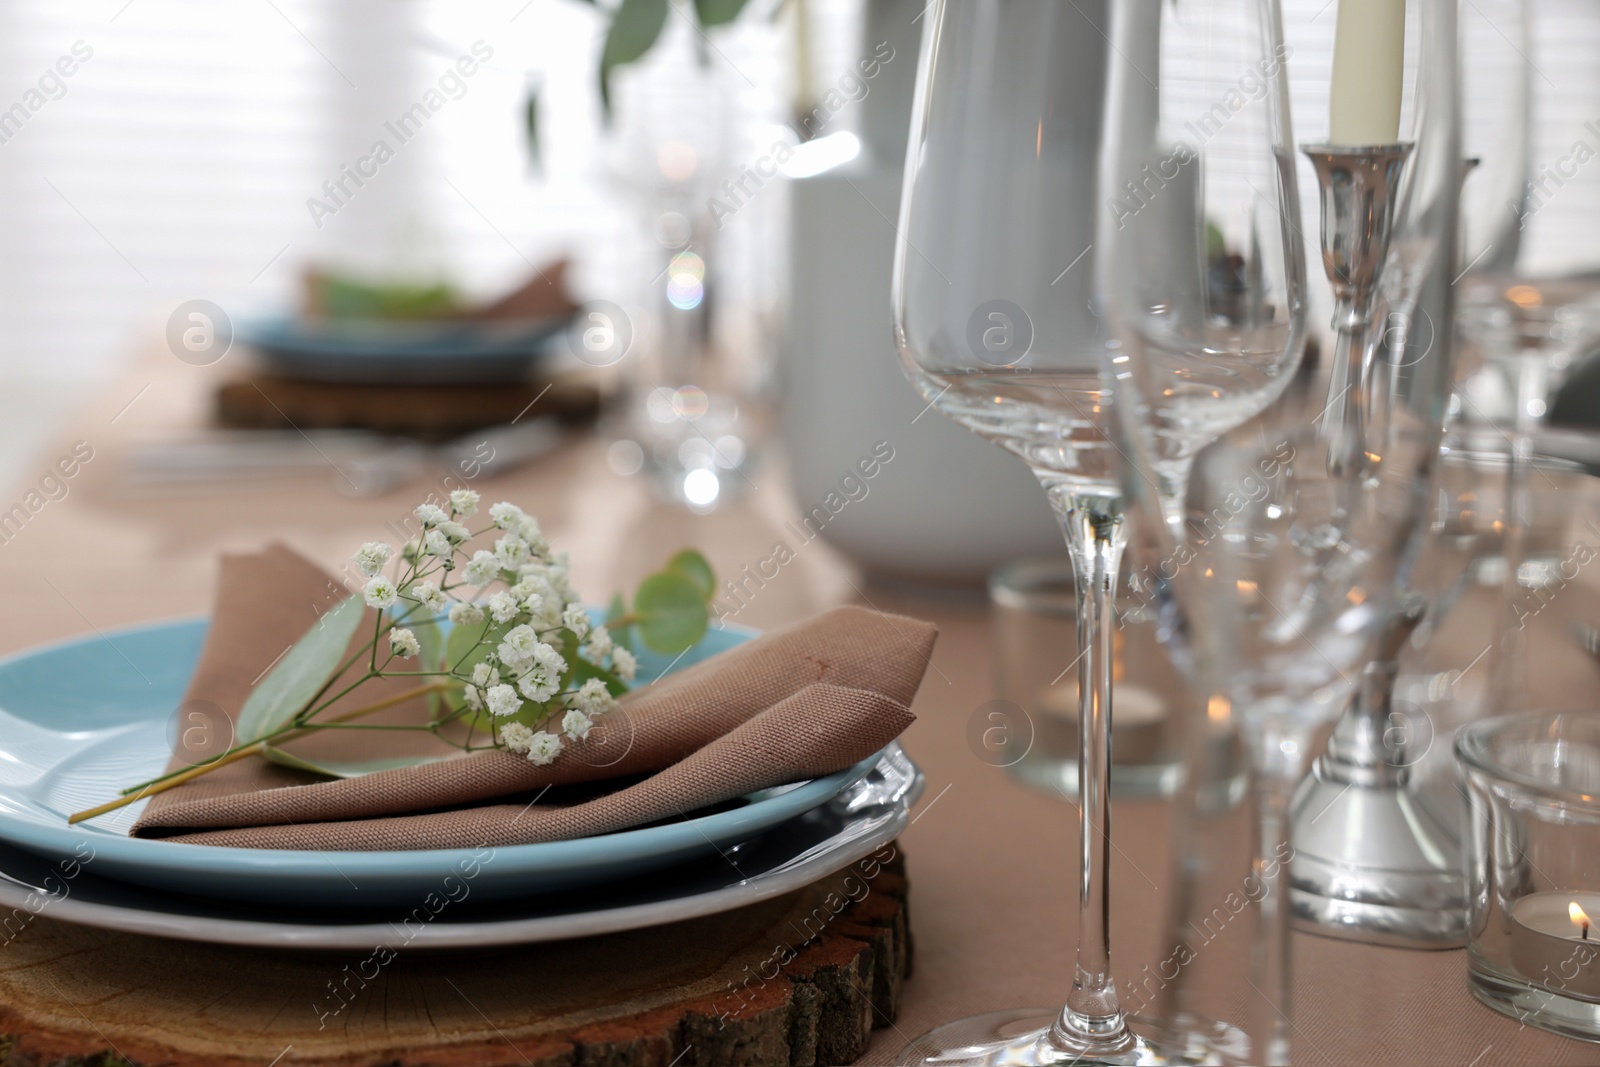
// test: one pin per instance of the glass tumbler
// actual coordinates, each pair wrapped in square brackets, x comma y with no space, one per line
[1532,864]
[1036,681]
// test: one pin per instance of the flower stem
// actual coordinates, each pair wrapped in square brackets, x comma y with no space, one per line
[161,785]
[287,733]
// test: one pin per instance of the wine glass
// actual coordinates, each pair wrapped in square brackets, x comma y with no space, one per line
[998,320]
[1286,498]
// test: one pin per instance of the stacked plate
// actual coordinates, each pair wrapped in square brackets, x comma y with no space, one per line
[404,352]
[82,719]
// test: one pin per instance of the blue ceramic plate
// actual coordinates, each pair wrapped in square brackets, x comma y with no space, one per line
[83,719]
[383,352]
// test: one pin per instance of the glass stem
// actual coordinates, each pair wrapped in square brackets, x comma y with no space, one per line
[1509,665]
[1277,770]
[1092,1019]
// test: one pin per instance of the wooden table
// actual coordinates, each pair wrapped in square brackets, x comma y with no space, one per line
[992,862]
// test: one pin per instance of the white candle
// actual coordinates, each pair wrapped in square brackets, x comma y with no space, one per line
[1368,49]
[1554,942]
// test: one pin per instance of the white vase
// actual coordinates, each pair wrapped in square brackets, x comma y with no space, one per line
[948,507]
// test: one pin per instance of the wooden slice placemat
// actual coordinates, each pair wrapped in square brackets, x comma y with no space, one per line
[428,412]
[802,979]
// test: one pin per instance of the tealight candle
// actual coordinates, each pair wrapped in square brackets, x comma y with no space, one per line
[1368,54]
[1138,717]
[1554,942]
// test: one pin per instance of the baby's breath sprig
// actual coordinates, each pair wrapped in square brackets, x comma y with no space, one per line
[497,639]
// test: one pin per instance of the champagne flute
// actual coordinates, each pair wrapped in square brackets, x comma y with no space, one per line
[998,321]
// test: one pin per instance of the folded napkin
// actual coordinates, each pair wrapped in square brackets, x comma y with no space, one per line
[797,703]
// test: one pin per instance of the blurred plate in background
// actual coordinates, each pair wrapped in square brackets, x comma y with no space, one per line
[410,352]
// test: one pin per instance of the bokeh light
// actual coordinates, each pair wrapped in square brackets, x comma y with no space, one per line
[700,488]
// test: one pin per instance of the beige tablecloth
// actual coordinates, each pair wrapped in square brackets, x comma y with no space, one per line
[991,862]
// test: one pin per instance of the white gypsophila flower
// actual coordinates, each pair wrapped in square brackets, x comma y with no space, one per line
[502,700]
[371,557]
[541,600]
[542,679]
[464,502]
[507,515]
[466,613]
[599,643]
[531,533]
[576,725]
[404,643]
[483,568]
[516,737]
[456,532]
[623,663]
[544,747]
[537,686]
[437,544]
[474,699]
[576,619]
[484,674]
[503,607]
[546,656]
[534,583]
[428,595]
[548,616]
[511,550]
[430,514]
[593,698]
[557,571]
[380,592]
[516,648]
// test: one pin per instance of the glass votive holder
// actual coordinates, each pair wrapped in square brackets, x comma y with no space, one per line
[1533,868]
[1035,656]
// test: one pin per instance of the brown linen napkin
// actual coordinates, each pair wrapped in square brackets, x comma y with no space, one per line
[796,703]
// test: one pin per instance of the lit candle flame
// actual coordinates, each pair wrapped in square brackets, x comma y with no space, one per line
[1525,296]
[1579,917]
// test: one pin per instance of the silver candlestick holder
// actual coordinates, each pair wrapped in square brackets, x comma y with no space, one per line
[1359,189]
[1369,864]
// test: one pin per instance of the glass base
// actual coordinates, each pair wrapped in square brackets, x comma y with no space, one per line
[1538,1007]
[1023,1038]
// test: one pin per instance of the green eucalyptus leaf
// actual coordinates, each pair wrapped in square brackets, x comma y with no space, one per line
[671,612]
[432,655]
[634,29]
[718,12]
[303,670]
[583,670]
[467,646]
[353,768]
[697,569]
[622,635]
